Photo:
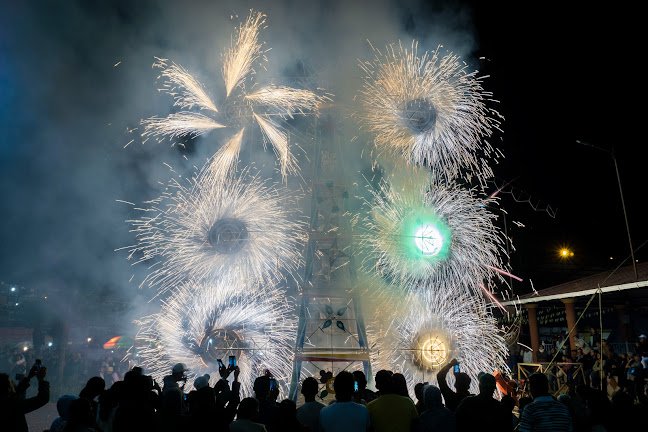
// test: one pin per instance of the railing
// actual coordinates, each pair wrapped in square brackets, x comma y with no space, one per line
[559,379]
[619,348]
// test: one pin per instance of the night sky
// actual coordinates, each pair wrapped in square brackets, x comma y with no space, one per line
[561,73]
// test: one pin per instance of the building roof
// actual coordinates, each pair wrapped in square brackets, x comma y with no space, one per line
[610,281]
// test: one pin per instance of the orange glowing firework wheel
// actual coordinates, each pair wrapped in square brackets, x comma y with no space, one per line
[432,351]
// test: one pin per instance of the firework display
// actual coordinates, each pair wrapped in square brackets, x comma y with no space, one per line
[203,322]
[220,244]
[429,110]
[429,328]
[422,233]
[243,104]
[214,227]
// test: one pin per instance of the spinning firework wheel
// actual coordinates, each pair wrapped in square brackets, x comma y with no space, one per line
[220,344]
[228,236]
[433,352]
[420,115]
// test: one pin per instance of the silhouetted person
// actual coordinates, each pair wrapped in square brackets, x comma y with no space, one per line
[365,394]
[344,415]
[462,386]
[400,385]
[308,413]
[14,405]
[436,417]
[391,412]
[544,413]
[508,404]
[268,409]
[482,412]
[420,403]
[248,412]
[203,408]
[173,409]
[91,392]
[63,408]
[80,419]
[287,419]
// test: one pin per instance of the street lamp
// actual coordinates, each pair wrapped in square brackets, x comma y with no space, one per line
[566,253]
[625,214]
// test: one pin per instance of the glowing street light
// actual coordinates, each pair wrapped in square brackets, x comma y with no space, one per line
[566,253]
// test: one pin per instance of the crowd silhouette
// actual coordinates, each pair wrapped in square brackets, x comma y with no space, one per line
[139,403]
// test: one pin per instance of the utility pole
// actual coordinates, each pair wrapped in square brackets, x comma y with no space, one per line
[625,213]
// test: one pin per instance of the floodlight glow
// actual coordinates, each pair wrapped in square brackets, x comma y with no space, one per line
[428,239]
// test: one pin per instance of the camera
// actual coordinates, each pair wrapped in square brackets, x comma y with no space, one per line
[456,369]
[38,364]
[273,384]
[220,363]
[355,386]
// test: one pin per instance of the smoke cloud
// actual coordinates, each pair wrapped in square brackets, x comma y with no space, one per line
[76,78]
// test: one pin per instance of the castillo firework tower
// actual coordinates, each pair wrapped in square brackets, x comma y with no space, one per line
[214,227]
[242,106]
[423,234]
[429,110]
[204,322]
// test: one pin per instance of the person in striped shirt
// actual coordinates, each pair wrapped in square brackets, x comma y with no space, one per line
[544,414]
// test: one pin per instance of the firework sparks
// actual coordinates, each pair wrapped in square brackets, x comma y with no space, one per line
[201,323]
[185,89]
[428,328]
[285,100]
[180,124]
[217,226]
[428,109]
[225,159]
[279,140]
[243,52]
[419,232]
[241,106]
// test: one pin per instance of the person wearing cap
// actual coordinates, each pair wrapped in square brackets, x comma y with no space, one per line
[544,414]
[202,404]
[482,412]
[173,407]
[642,350]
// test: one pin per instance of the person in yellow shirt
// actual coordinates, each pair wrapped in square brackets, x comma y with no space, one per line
[391,412]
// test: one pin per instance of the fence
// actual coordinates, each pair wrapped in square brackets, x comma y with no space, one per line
[559,377]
